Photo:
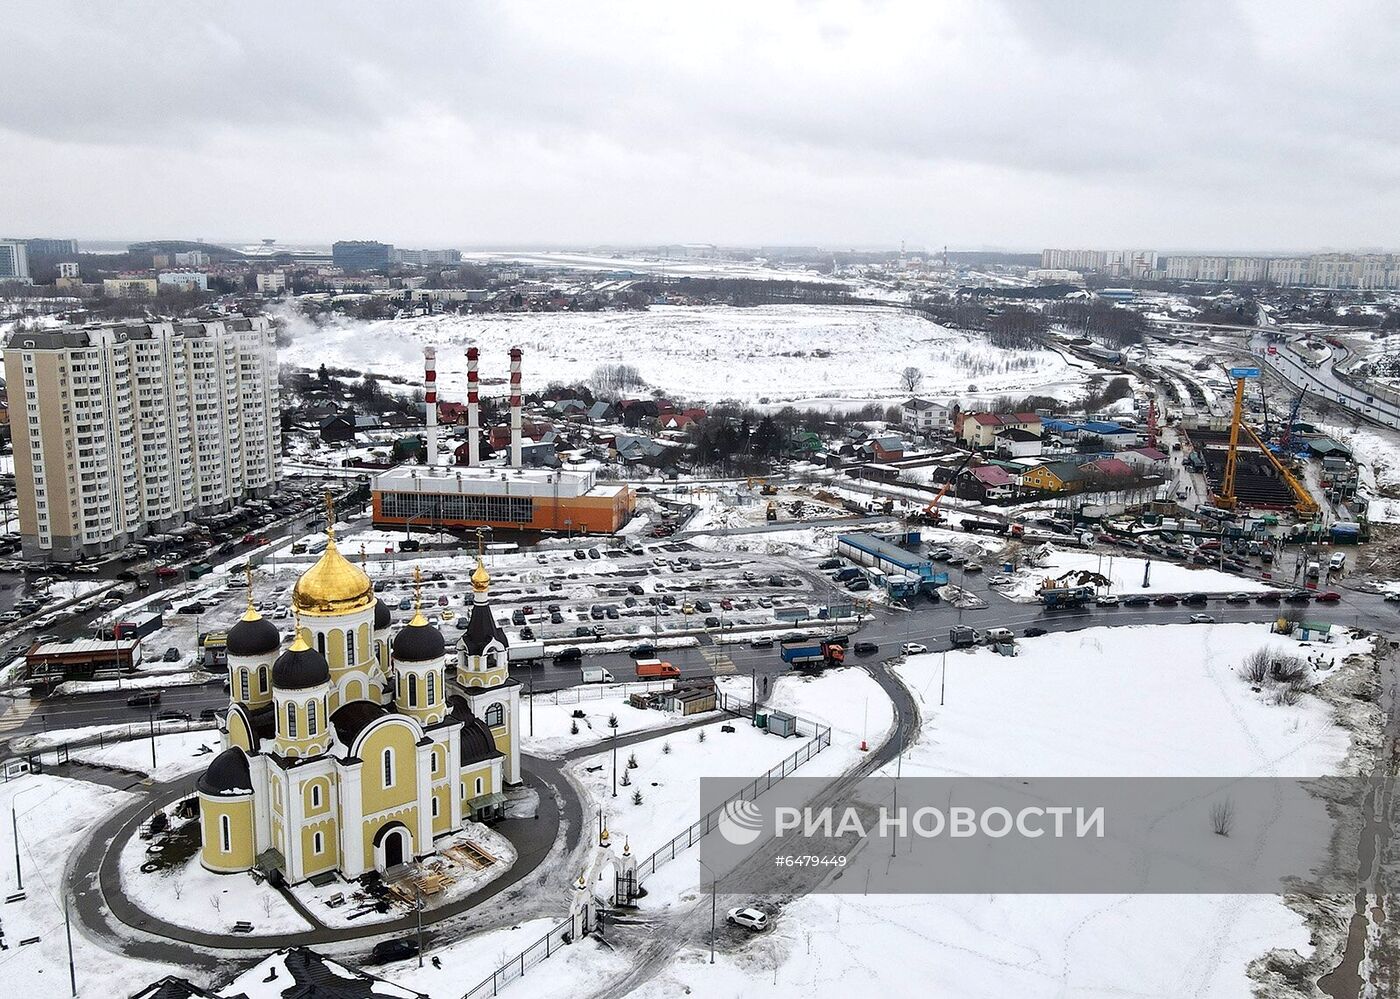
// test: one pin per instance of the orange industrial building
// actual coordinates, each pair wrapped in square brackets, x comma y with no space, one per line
[520,499]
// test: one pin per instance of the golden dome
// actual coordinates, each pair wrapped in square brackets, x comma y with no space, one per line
[334,585]
[480,579]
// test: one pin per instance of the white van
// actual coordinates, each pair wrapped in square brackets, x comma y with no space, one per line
[996,636]
[1338,561]
[596,674]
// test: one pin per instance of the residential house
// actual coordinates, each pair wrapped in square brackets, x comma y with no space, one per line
[344,427]
[925,414]
[1108,468]
[1014,442]
[987,482]
[1145,460]
[979,430]
[1053,477]
[886,448]
[599,411]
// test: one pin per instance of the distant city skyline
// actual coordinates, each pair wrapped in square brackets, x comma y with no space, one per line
[1208,127]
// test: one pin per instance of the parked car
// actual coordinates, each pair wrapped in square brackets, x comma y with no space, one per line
[173,714]
[568,654]
[399,949]
[1298,597]
[1237,598]
[594,553]
[767,643]
[1195,599]
[1033,632]
[1202,619]
[1166,600]
[1106,600]
[194,608]
[167,571]
[1267,598]
[1137,600]
[747,917]
[866,648]
[172,655]
[143,699]
[208,714]
[1330,597]
[1392,598]
[912,649]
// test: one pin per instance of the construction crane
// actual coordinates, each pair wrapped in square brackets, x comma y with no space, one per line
[931,511]
[1225,498]
[1285,434]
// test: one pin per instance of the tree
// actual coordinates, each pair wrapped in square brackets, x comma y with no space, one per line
[911,378]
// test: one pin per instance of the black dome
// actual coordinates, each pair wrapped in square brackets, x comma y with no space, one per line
[227,775]
[382,615]
[257,637]
[300,669]
[478,744]
[418,643]
[482,629]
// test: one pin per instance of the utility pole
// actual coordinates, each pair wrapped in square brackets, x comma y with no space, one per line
[151,716]
[68,931]
[614,756]
[943,679]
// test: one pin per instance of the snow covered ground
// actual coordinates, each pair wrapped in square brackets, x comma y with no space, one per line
[1126,574]
[553,719]
[176,754]
[189,895]
[796,353]
[54,814]
[1088,703]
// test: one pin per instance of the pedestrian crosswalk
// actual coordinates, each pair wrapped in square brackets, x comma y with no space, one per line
[18,712]
[720,663]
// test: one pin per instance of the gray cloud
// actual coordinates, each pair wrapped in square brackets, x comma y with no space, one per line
[1247,125]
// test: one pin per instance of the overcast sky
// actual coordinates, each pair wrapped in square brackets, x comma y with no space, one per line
[1262,126]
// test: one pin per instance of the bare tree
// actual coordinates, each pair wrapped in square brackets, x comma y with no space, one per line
[911,378]
[1222,817]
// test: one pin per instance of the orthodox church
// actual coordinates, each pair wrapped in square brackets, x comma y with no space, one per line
[352,749]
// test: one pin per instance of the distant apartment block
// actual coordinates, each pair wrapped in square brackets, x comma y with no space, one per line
[192,258]
[1365,271]
[427,258]
[129,286]
[52,247]
[355,255]
[183,280]
[272,282]
[14,261]
[1117,263]
[119,430]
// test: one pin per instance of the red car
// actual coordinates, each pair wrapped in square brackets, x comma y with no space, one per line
[166,571]
[1330,597]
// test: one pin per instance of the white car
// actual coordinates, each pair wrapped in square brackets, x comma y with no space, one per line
[1107,600]
[912,649]
[747,916]
[1202,619]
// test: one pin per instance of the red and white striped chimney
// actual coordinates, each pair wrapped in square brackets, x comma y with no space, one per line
[516,457]
[473,411]
[430,401]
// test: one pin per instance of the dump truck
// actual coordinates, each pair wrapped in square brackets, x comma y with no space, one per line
[812,652]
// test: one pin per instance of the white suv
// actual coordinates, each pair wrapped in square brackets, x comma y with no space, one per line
[748,917]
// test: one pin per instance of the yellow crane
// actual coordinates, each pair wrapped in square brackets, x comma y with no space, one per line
[1225,498]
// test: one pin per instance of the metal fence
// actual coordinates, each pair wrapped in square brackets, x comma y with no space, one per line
[568,930]
[819,739]
[561,934]
[598,691]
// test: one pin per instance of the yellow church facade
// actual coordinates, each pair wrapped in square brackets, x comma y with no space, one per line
[352,749]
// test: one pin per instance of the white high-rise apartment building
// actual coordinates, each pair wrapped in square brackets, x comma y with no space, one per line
[124,429]
[14,261]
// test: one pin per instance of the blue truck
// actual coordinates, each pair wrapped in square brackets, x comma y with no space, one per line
[813,652]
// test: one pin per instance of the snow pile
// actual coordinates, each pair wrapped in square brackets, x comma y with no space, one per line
[1126,574]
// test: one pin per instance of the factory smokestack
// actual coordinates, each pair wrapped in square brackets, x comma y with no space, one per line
[517,459]
[430,401]
[473,411]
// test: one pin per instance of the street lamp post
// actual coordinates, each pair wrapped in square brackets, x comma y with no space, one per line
[714,894]
[14,829]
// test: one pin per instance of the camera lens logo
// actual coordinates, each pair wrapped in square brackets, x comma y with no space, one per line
[740,822]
